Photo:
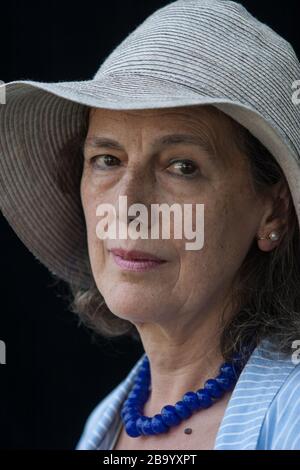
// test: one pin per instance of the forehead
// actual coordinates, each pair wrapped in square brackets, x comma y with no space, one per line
[205,122]
[213,129]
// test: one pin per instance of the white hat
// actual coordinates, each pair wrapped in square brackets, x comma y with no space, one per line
[190,52]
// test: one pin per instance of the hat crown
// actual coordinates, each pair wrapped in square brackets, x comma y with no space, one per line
[197,33]
[218,49]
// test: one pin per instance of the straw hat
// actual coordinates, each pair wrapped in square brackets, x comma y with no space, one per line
[189,52]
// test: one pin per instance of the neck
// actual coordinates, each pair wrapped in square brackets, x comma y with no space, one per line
[180,361]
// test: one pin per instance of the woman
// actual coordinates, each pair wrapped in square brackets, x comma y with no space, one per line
[193,107]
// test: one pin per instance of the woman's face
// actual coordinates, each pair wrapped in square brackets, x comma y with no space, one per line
[190,284]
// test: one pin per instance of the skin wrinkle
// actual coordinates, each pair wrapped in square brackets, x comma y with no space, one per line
[192,288]
[205,132]
[95,141]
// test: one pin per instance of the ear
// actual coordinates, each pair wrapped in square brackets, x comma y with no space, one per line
[276,216]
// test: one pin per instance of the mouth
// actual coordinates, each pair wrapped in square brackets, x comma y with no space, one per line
[136,260]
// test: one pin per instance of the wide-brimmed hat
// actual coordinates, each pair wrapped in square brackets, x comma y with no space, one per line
[190,52]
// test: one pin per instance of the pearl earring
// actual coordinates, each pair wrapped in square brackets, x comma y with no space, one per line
[273,236]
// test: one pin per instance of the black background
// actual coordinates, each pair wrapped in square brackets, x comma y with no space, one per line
[57,372]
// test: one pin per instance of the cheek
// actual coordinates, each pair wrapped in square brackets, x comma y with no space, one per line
[229,227]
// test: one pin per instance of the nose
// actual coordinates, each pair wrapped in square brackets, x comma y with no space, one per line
[137,184]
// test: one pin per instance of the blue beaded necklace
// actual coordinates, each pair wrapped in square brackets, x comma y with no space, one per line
[136,424]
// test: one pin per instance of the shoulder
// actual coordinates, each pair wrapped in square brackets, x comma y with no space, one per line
[281,427]
[263,404]
[94,418]
[98,422]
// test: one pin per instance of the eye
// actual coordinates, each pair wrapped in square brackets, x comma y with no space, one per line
[104,162]
[188,168]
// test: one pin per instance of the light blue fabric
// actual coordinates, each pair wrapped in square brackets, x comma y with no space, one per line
[262,413]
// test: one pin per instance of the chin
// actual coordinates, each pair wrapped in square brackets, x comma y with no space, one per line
[131,309]
[128,312]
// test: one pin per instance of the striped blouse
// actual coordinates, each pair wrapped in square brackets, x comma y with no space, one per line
[262,413]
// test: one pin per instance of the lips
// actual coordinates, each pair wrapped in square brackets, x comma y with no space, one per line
[135,255]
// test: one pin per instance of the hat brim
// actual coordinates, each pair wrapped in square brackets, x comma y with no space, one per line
[37,121]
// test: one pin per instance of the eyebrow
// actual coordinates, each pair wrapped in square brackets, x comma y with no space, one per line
[164,141]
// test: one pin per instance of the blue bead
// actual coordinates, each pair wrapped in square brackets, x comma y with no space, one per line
[128,416]
[125,410]
[131,402]
[204,398]
[146,363]
[191,401]
[138,397]
[139,381]
[224,382]
[169,415]
[145,376]
[139,423]
[158,425]
[139,388]
[228,370]
[133,395]
[182,410]
[131,428]
[130,409]
[213,388]
[145,373]
[144,368]
[147,427]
